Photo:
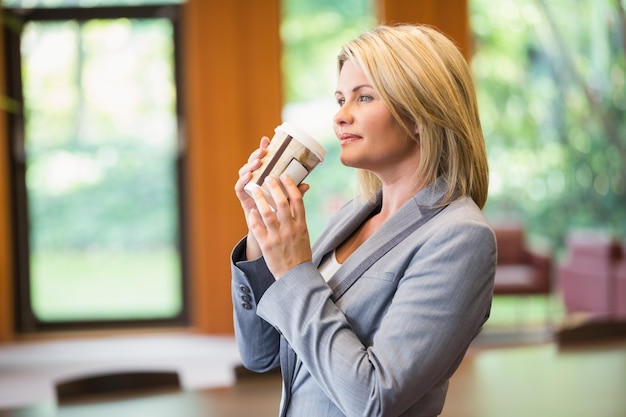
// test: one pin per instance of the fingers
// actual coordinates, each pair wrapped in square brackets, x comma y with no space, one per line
[281,230]
[294,195]
[264,143]
[287,198]
[241,183]
[254,160]
[253,163]
[278,214]
[280,199]
[261,217]
[303,187]
[261,151]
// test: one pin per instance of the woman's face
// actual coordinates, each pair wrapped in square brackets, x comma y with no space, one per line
[370,137]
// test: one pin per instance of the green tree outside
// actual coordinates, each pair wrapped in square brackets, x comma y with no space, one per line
[551,83]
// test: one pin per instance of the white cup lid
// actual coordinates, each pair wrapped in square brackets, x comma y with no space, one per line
[304,138]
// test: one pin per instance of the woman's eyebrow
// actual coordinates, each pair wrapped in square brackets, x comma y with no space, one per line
[355,89]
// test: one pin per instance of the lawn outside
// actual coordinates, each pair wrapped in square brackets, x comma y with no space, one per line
[105,284]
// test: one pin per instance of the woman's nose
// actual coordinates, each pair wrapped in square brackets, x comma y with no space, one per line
[343,116]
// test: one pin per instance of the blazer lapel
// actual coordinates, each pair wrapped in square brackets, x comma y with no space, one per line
[411,215]
[342,228]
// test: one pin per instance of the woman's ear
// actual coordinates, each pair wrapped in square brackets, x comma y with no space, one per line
[416,129]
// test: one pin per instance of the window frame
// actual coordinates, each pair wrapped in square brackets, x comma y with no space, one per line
[25,320]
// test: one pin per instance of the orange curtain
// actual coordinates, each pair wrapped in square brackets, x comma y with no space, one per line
[449,16]
[233,97]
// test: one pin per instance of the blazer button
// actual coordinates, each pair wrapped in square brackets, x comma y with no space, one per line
[247,306]
[246,298]
[244,289]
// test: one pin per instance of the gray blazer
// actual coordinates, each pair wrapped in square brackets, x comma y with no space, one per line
[388,344]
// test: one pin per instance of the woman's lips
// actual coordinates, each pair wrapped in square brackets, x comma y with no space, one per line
[345,138]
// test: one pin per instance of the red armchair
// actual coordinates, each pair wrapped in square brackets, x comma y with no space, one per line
[520,270]
[593,277]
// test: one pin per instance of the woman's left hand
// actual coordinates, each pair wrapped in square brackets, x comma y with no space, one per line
[282,233]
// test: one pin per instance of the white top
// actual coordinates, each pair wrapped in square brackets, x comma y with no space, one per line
[329,266]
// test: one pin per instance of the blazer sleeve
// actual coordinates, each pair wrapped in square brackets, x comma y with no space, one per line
[442,299]
[258,341]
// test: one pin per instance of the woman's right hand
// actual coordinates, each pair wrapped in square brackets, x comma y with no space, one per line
[247,203]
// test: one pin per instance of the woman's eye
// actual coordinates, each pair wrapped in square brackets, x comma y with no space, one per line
[341,101]
[365,98]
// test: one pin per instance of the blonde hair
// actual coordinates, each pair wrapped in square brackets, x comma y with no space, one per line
[426,83]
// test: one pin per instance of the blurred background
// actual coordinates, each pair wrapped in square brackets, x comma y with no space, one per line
[97,138]
[124,123]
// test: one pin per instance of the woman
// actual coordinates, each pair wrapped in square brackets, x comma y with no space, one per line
[375,318]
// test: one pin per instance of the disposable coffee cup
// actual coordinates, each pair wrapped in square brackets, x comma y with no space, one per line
[291,151]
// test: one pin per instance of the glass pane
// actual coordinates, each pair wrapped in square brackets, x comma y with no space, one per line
[101,136]
[312,32]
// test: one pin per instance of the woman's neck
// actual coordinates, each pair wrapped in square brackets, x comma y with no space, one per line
[394,197]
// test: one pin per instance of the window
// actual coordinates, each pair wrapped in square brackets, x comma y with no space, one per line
[312,33]
[97,157]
